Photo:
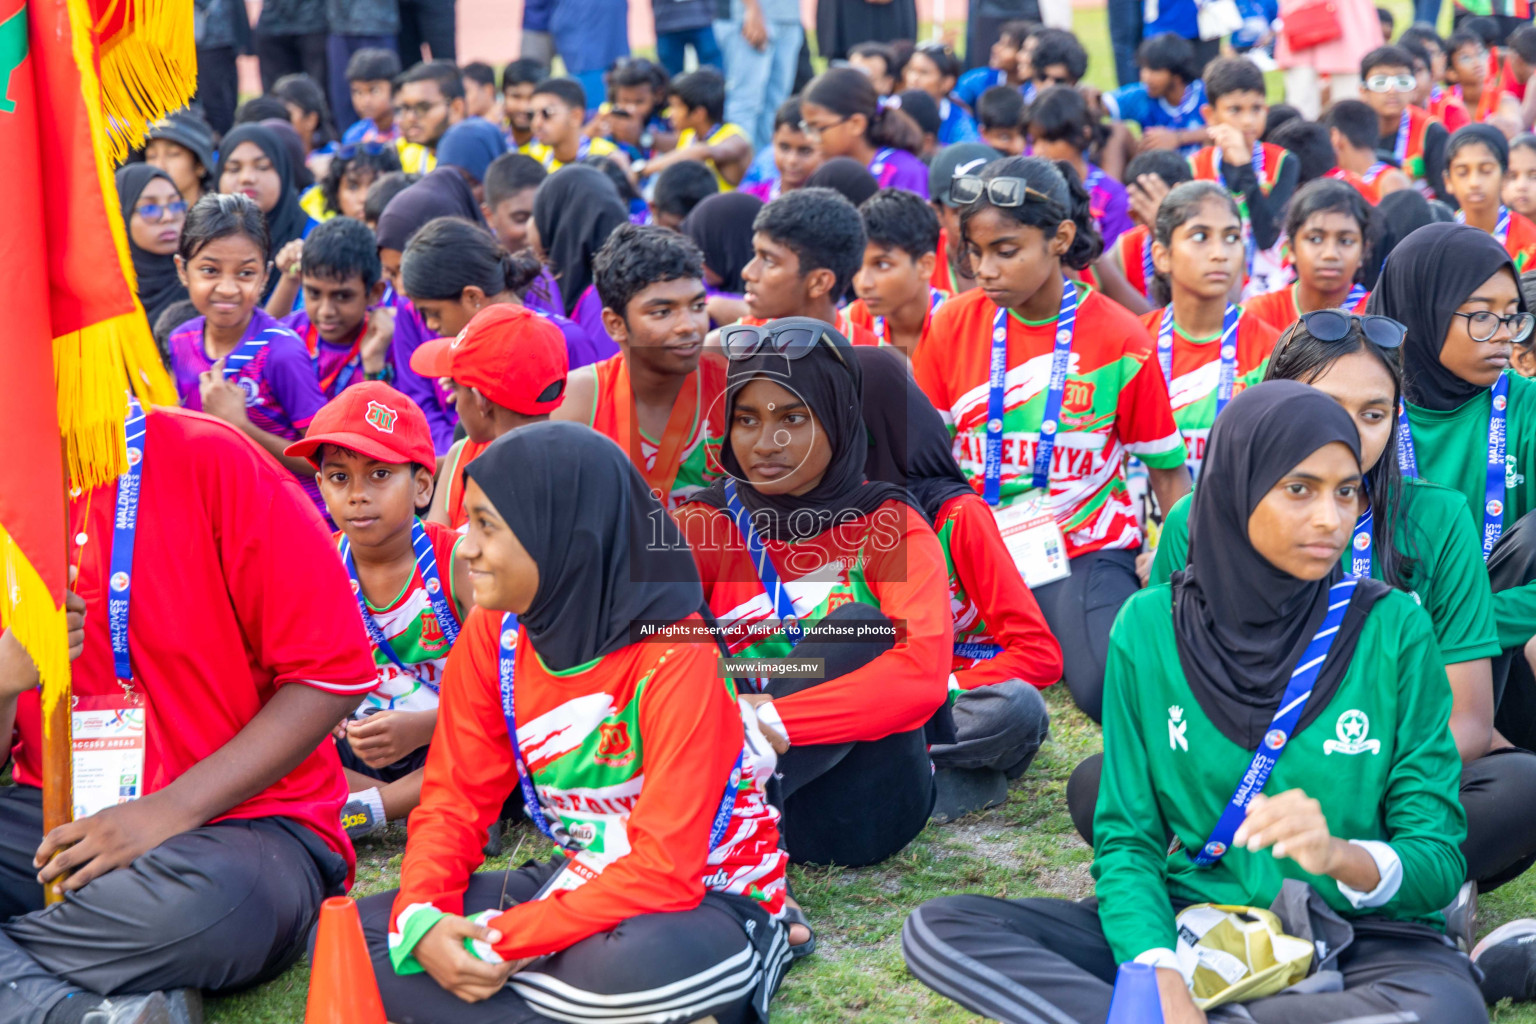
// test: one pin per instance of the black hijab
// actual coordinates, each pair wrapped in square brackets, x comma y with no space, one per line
[287,220]
[1398,215]
[721,226]
[1432,272]
[833,388]
[1240,623]
[442,193]
[588,521]
[845,175]
[158,284]
[575,210]
[908,443]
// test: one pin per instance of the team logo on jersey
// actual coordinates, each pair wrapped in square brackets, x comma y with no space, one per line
[1078,396]
[119,581]
[1274,739]
[432,638]
[381,417]
[1176,727]
[1352,728]
[1512,476]
[613,746]
[251,388]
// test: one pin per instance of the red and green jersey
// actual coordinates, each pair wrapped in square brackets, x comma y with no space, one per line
[695,454]
[1197,369]
[888,559]
[1446,106]
[1203,164]
[860,316]
[410,627]
[990,603]
[631,753]
[855,333]
[1133,249]
[1279,308]
[1520,241]
[1369,190]
[1114,402]
[459,456]
[1411,157]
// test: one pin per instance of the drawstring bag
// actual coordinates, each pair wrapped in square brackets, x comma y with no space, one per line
[1238,954]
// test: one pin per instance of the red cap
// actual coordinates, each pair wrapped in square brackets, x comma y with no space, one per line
[372,419]
[511,355]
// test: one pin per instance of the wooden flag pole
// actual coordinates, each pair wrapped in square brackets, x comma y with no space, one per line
[58,749]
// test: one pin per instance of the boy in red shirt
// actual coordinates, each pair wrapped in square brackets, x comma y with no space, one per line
[202,860]
[896,302]
[373,449]
[1476,166]
[1414,138]
[507,368]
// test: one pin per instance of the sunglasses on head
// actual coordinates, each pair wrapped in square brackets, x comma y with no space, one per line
[1004,192]
[792,337]
[1334,325]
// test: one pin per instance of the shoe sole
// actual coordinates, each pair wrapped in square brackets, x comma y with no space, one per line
[1504,933]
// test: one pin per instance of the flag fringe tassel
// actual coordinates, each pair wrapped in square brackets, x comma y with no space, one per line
[148,70]
[27,610]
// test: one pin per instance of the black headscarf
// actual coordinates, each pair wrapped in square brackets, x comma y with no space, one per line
[587,520]
[575,210]
[442,193]
[158,284]
[287,220]
[847,176]
[833,389]
[1430,274]
[1240,623]
[288,135]
[908,443]
[1398,215]
[721,226]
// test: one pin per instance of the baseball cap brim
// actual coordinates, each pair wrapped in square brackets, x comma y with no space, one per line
[434,358]
[371,447]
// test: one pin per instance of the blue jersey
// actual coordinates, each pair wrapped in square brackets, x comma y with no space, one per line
[1132,103]
[975,82]
[956,124]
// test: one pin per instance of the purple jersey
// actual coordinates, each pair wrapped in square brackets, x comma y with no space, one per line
[896,168]
[594,345]
[334,371]
[1109,204]
[543,295]
[410,334]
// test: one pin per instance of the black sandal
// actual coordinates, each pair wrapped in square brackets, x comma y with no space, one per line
[795,915]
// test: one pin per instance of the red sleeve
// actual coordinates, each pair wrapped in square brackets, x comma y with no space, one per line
[468,775]
[929,360]
[903,687]
[696,521]
[1013,618]
[691,733]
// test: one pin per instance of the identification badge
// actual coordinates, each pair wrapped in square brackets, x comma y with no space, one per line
[1034,540]
[107,743]
[576,872]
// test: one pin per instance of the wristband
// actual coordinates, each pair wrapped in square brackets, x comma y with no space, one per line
[387,374]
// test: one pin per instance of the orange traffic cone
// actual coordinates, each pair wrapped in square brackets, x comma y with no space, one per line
[342,988]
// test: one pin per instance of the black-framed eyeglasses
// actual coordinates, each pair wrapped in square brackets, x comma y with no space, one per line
[1335,325]
[1003,192]
[154,213]
[792,337]
[1484,324]
[421,109]
[351,149]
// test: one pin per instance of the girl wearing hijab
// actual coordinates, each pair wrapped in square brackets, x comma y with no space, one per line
[254,162]
[666,899]
[1004,653]
[1418,537]
[1252,650]
[1455,288]
[574,212]
[1398,215]
[800,554]
[721,226]
[440,193]
[1050,459]
[154,212]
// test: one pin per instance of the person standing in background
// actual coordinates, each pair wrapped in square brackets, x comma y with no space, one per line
[842,24]
[589,36]
[222,33]
[429,22]
[290,38]
[355,25]
[760,41]
[1338,59]
[681,24]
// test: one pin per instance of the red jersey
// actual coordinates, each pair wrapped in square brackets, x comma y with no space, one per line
[690,450]
[1203,164]
[943,277]
[1409,150]
[855,334]
[1520,241]
[1114,402]
[991,603]
[889,559]
[237,592]
[1278,308]
[1446,106]
[459,456]
[859,316]
[1135,249]
[630,752]
[1367,189]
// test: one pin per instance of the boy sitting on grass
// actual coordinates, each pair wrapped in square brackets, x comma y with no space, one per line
[697,113]
[373,450]
[896,301]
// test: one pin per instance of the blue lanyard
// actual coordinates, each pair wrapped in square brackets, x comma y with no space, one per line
[1500,229]
[1148,271]
[1230,319]
[978,652]
[437,594]
[1061,357]
[1357,294]
[1360,546]
[935,300]
[125,524]
[1373,172]
[1400,145]
[1493,494]
[1292,704]
[784,605]
[1250,247]
[507,671]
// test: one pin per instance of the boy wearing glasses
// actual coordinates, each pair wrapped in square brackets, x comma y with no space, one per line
[1477,162]
[1467,68]
[370,78]
[429,99]
[559,110]
[1414,138]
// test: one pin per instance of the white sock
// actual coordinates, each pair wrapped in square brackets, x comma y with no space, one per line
[374,802]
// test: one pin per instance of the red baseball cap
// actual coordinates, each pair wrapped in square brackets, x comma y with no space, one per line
[372,419]
[511,355]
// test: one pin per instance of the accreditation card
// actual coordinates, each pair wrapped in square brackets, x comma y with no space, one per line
[107,743]
[1034,539]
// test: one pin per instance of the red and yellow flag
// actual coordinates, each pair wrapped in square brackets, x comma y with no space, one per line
[82,80]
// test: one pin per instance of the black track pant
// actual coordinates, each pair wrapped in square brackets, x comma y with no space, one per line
[1046,961]
[1513,564]
[653,968]
[220,907]
[1080,609]
[1498,791]
[851,803]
